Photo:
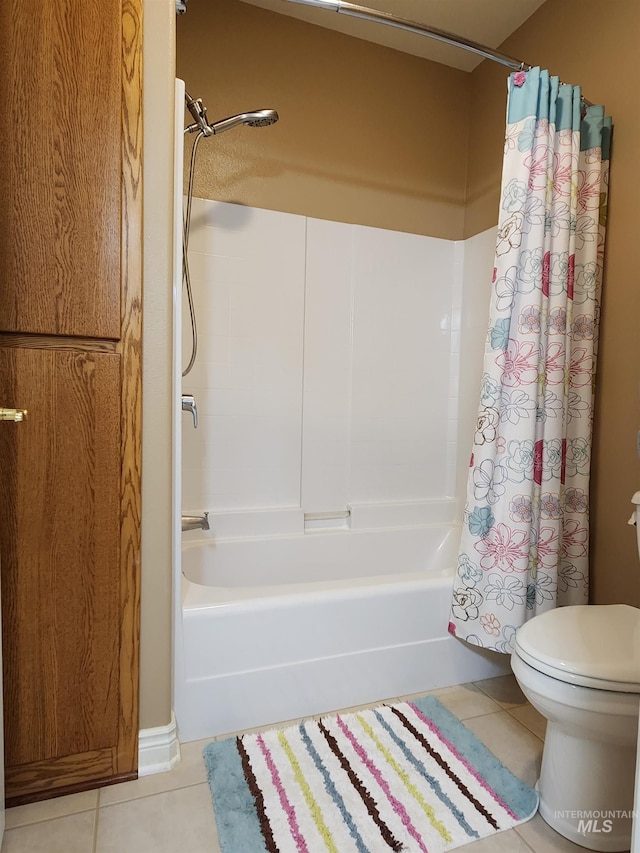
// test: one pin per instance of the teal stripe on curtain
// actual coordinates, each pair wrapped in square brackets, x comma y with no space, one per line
[568,107]
[591,128]
[534,97]
[606,137]
[543,97]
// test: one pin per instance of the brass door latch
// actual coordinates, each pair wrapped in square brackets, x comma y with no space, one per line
[13,414]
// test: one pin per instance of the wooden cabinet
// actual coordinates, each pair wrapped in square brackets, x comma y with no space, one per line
[70,353]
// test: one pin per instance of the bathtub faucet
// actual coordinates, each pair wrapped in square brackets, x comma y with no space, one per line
[189,405]
[195,522]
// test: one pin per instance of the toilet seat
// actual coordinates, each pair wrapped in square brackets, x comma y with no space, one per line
[596,646]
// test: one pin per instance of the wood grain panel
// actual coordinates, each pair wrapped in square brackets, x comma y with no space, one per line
[60,135]
[130,347]
[60,545]
[9,339]
[49,776]
[33,793]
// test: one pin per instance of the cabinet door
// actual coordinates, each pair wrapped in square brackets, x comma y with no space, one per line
[60,169]
[60,546]
[70,329]
[70,351]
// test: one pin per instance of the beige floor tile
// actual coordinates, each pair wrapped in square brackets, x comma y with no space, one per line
[501,842]
[70,834]
[48,809]
[504,690]
[178,821]
[190,771]
[530,718]
[541,838]
[465,701]
[511,742]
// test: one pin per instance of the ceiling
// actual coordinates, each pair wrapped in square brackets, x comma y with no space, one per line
[488,22]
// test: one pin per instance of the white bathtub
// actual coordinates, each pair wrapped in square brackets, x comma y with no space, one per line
[282,627]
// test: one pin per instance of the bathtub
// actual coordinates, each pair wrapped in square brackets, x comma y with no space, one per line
[280,627]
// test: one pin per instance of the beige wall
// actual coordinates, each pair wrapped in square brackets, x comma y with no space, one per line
[594,44]
[366,135]
[155,602]
[372,136]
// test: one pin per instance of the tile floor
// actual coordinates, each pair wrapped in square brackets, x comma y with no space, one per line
[172,812]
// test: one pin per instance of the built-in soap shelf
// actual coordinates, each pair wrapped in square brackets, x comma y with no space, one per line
[336,520]
[292,521]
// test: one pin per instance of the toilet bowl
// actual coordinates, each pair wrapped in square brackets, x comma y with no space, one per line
[580,668]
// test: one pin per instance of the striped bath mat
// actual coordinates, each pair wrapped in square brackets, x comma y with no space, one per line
[406,776]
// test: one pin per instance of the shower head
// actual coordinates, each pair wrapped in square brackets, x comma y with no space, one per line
[263,118]
[256,118]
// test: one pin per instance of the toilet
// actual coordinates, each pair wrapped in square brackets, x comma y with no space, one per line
[579,666]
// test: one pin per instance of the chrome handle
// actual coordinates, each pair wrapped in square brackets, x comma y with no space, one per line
[13,414]
[189,405]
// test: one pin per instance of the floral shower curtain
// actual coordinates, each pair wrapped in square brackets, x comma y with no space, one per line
[524,546]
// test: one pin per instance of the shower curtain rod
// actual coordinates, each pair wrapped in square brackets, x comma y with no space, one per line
[367,14]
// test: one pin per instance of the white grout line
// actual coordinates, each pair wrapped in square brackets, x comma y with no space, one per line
[152,794]
[522,723]
[523,839]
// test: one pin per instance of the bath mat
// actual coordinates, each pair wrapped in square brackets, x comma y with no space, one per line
[405,776]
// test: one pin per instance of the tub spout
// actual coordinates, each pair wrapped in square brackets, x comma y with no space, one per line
[195,522]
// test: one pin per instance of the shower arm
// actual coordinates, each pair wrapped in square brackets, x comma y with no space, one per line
[199,113]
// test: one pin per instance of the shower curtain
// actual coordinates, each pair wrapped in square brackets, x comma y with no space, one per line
[524,546]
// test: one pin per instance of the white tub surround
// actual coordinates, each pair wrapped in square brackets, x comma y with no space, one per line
[329,385]
[329,370]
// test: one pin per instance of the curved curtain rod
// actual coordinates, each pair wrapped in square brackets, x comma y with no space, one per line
[367,14]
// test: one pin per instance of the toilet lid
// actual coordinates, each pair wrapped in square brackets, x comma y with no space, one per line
[591,645]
